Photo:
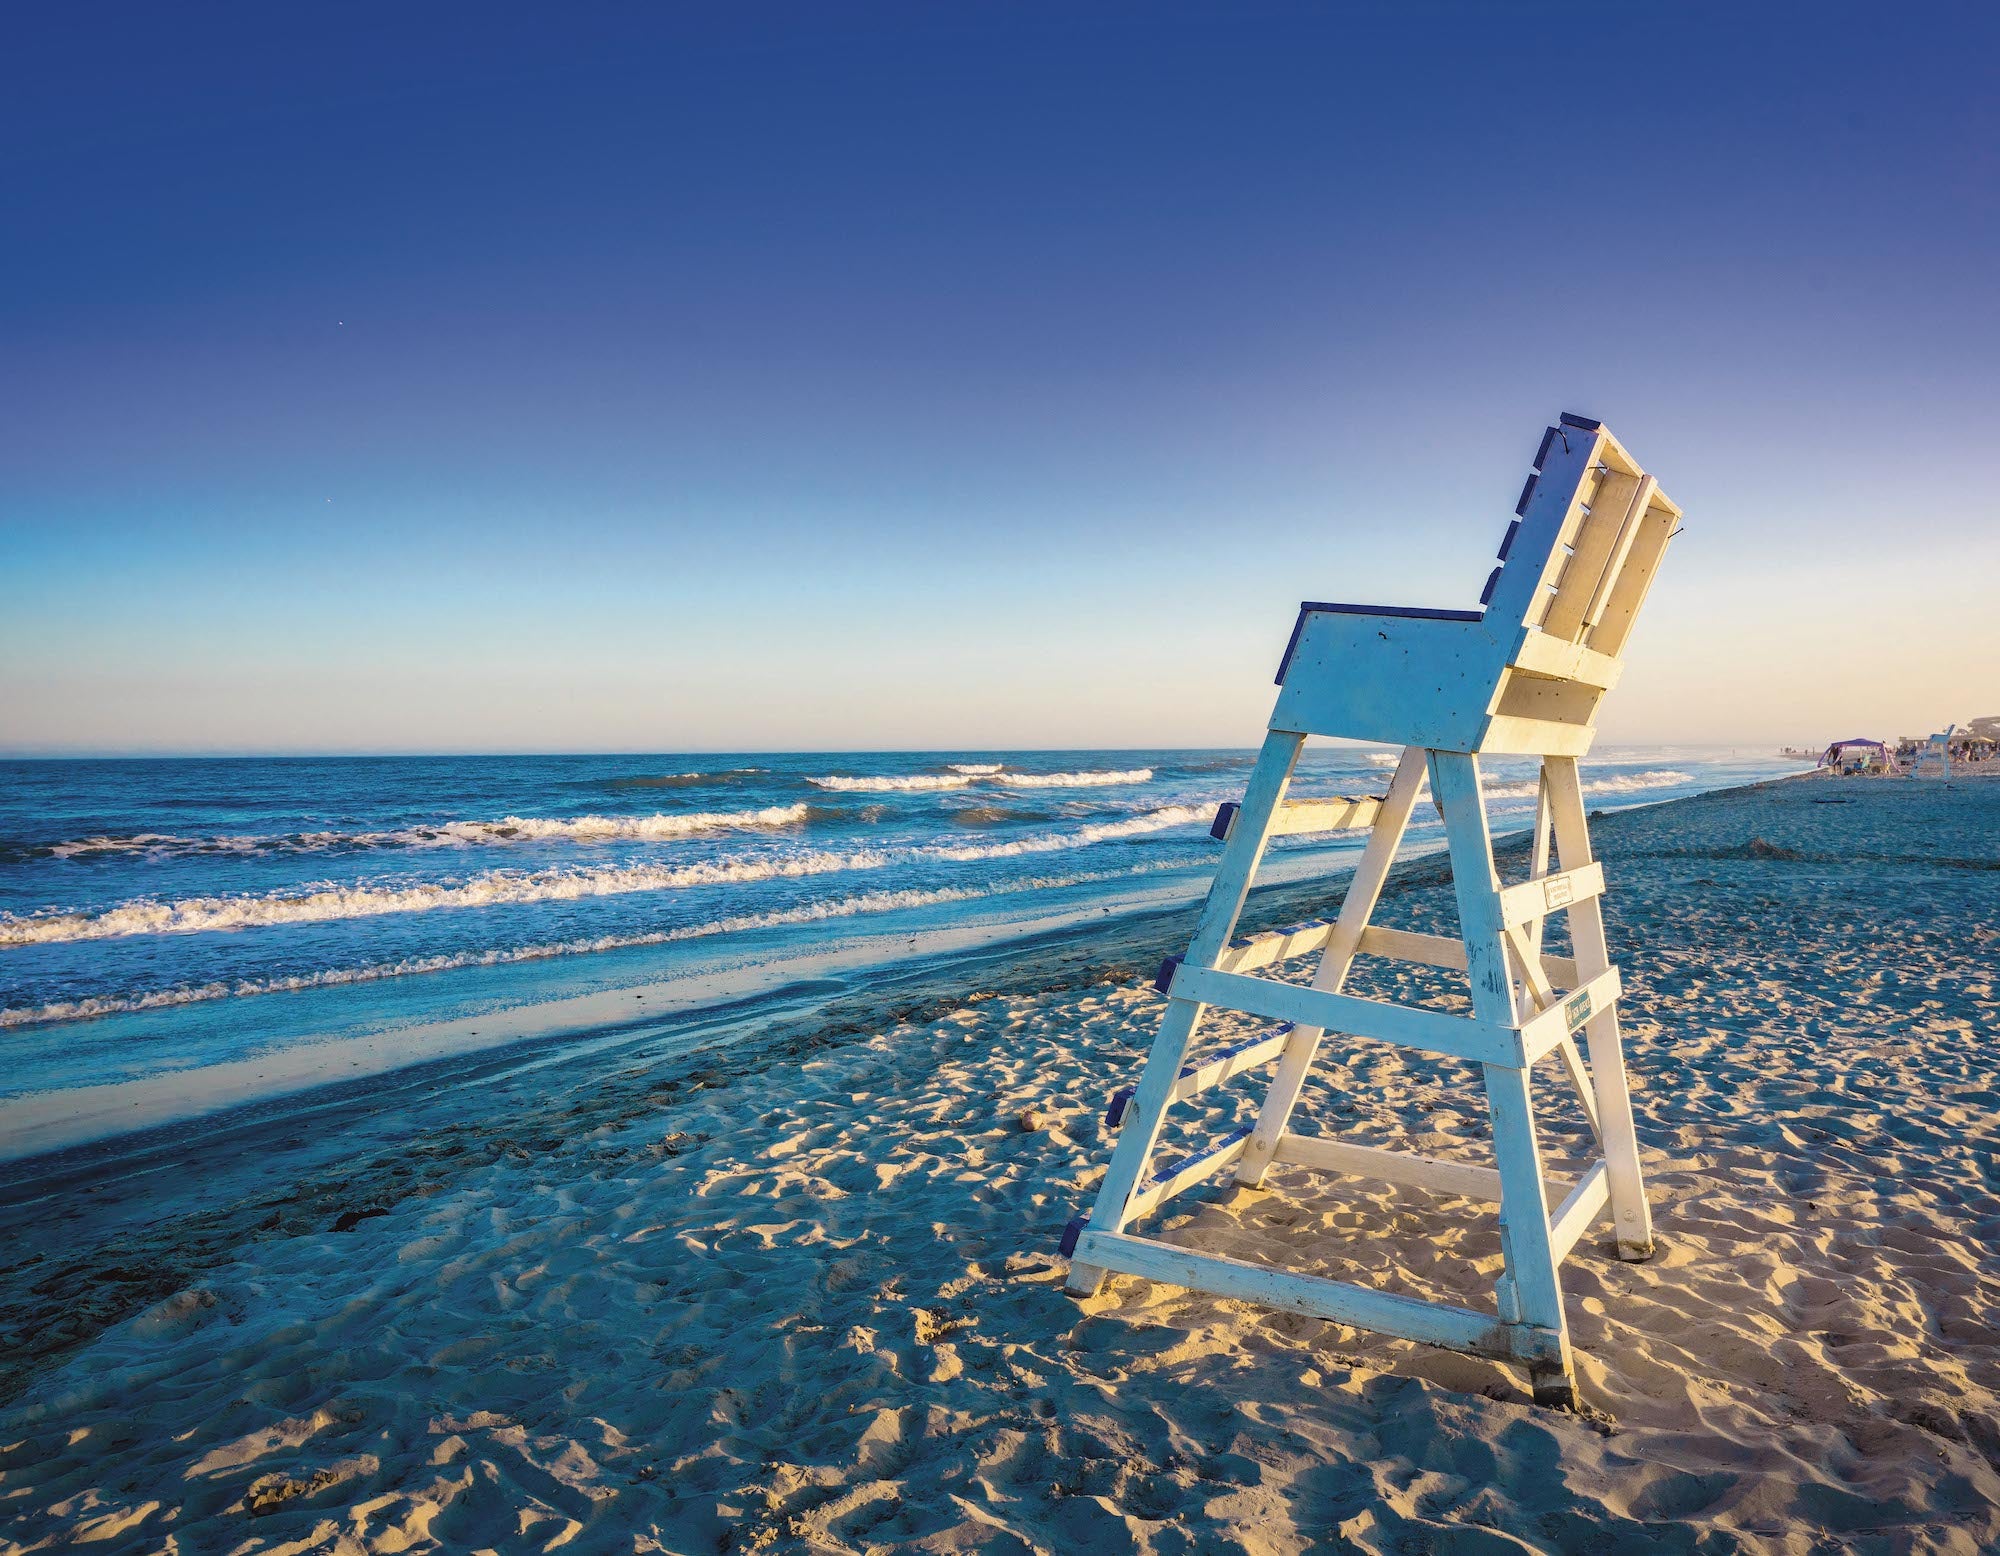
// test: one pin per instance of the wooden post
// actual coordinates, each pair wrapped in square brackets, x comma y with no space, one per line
[1534,1291]
[1238,867]
[1630,1215]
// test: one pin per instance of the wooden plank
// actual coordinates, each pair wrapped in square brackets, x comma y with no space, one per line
[1628,532]
[1404,945]
[1635,579]
[1359,1307]
[1368,1161]
[1198,1077]
[1341,813]
[1513,735]
[1541,1033]
[1540,654]
[1552,893]
[1186,1173]
[1277,945]
[1580,1207]
[1596,542]
[1433,1031]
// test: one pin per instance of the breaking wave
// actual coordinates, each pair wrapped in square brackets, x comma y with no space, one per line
[451,834]
[893,785]
[841,907]
[1616,783]
[196,915]
[1073,780]
[963,774]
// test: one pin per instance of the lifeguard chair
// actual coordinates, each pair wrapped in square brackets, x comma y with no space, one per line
[1934,755]
[1521,676]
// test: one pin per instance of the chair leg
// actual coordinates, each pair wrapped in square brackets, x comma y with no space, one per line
[1630,1215]
[1134,1150]
[1531,1298]
[1524,1230]
[1264,793]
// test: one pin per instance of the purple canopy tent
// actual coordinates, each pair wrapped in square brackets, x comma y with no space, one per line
[1831,757]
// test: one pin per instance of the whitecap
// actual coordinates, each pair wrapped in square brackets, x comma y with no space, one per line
[661,826]
[1084,780]
[893,785]
[814,912]
[196,915]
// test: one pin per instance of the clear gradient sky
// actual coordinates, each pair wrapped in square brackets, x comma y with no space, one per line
[430,377]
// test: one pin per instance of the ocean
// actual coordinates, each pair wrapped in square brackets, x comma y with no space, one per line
[170,920]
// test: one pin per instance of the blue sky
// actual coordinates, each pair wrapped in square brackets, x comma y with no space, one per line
[759,377]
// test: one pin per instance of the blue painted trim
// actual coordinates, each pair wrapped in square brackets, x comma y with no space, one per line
[1507,540]
[1407,612]
[1527,492]
[1542,453]
[1292,643]
[1492,583]
[1071,1233]
[1584,422]
[1224,813]
[1121,1099]
[1165,975]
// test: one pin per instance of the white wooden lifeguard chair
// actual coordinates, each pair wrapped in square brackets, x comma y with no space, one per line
[1521,676]
[1934,756]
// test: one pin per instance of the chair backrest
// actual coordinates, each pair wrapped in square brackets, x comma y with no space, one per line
[1589,532]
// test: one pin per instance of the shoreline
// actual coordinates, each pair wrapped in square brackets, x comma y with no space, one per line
[37,1123]
[326,1145]
[785,1272]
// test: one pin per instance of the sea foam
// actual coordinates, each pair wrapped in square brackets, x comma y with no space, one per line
[1614,783]
[893,785]
[196,915]
[813,912]
[660,827]
[1084,780]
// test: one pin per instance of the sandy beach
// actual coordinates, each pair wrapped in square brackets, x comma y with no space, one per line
[798,1291]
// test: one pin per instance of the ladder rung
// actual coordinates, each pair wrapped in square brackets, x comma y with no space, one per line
[1213,1071]
[1275,945]
[1187,1172]
[1535,899]
[1167,1182]
[1342,813]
